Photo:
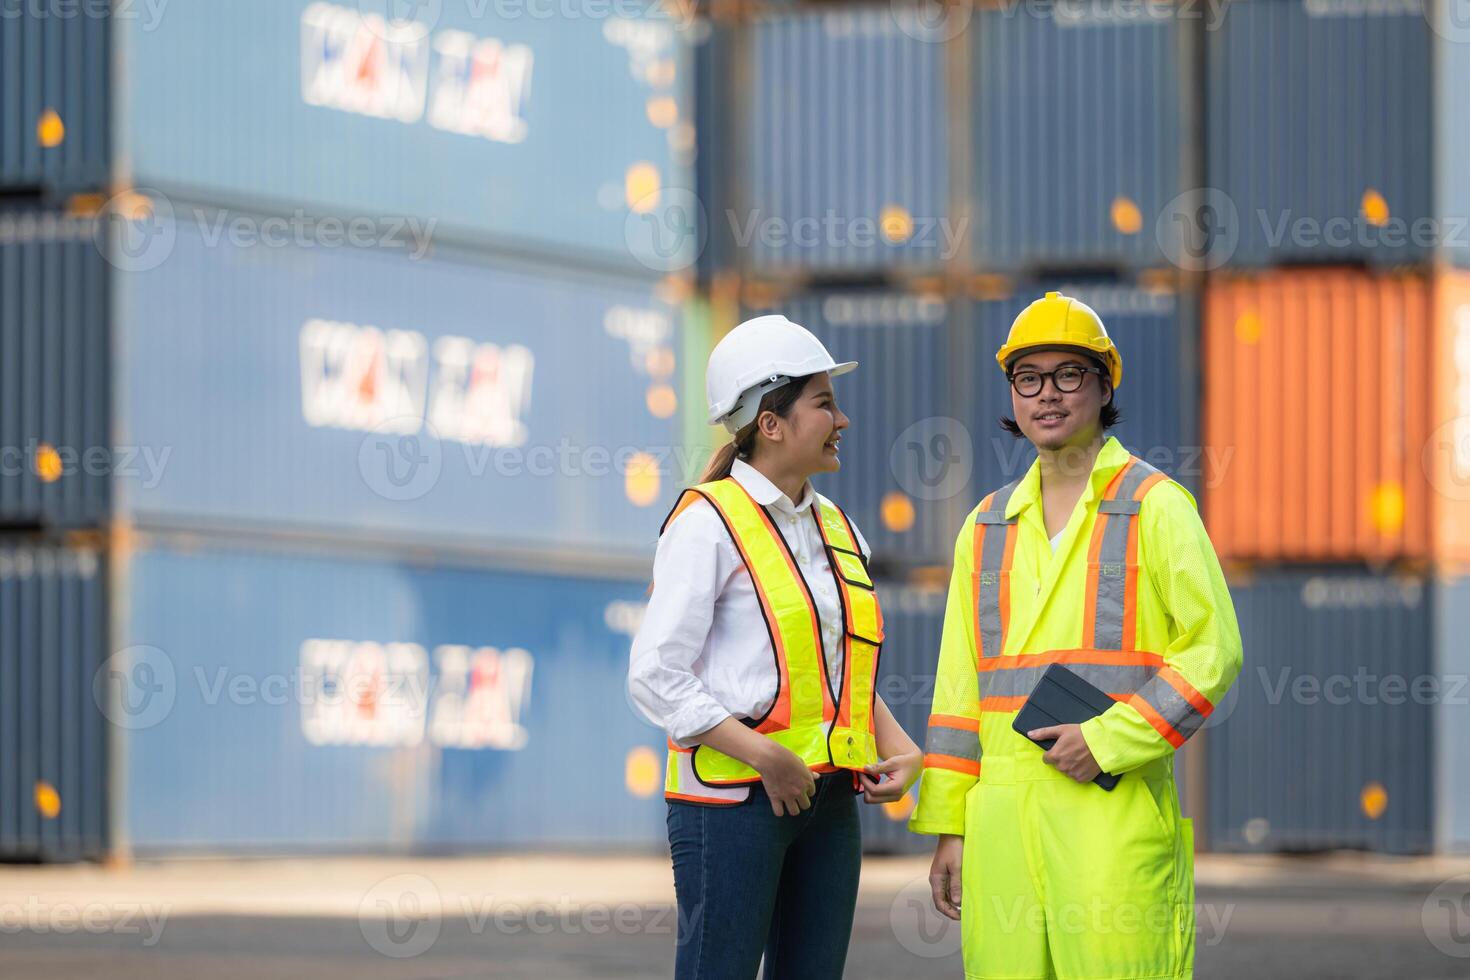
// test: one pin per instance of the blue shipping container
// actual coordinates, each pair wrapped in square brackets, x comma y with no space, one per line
[1158,335]
[913,620]
[1079,134]
[55,454]
[1319,132]
[847,132]
[1451,717]
[506,128]
[358,391]
[54,98]
[53,733]
[310,702]
[1337,671]
[895,481]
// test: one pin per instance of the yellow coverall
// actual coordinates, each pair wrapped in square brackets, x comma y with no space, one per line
[1063,879]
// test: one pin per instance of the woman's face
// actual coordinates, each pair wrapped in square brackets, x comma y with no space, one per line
[809,433]
[1054,419]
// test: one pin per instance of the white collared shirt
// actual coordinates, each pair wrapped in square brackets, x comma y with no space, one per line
[702,651]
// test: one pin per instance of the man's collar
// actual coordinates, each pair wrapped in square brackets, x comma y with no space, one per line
[766,493]
[1110,459]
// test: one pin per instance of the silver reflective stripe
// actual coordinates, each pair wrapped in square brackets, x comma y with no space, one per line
[992,557]
[952,741]
[1172,707]
[1110,678]
[1112,557]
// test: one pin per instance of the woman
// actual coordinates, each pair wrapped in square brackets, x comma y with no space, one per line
[757,656]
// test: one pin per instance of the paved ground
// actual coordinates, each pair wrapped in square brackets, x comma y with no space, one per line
[554,918]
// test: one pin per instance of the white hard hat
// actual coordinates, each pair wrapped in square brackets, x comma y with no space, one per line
[759,356]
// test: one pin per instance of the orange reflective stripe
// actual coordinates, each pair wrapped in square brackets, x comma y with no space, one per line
[686,498]
[937,761]
[1124,658]
[706,800]
[1009,705]
[1005,584]
[1155,719]
[1186,690]
[1003,705]
[1130,590]
[976,568]
[955,721]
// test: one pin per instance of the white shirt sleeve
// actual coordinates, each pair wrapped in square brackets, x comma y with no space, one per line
[695,559]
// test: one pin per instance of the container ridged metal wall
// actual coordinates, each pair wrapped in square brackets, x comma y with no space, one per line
[1345,358]
[846,135]
[1321,110]
[1157,334]
[1447,458]
[1325,741]
[54,92]
[891,481]
[53,737]
[1451,719]
[913,620]
[381,705]
[715,87]
[1451,136]
[1079,134]
[54,374]
[510,130]
[361,392]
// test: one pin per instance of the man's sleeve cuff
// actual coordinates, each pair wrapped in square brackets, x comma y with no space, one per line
[937,827]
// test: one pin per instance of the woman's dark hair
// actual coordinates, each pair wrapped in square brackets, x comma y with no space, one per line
[779,401]
[1108,417]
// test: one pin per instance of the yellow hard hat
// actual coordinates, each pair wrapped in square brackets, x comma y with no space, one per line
[1058,321]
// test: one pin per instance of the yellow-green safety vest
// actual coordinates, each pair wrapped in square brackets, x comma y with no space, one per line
[828,729]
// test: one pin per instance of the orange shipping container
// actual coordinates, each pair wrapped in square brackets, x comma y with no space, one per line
[1447,456]
[1317,409]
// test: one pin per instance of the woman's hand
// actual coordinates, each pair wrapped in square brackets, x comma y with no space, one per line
[788,782]
[902,770]
[944,875]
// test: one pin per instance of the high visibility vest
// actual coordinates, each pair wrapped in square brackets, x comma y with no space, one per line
[829,729]
[1109,657]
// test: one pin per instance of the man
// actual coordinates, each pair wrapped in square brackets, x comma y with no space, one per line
[1095,560]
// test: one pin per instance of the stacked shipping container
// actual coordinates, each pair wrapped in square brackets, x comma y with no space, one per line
[1117,152]
[1332,414]
[1075,126]
[494,381]
[379,336]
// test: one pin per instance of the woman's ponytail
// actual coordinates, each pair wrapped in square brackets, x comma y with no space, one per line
[720,463]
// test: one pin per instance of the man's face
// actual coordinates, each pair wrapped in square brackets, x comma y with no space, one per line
[1054,419]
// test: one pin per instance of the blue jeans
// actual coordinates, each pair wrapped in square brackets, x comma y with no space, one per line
[749,882]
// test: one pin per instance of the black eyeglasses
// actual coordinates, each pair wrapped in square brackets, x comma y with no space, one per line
[1067,378]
